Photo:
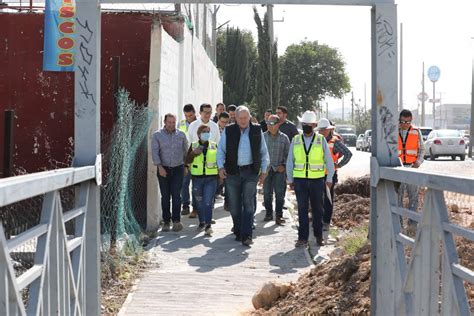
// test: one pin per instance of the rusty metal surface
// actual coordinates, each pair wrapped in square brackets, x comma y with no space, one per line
[43,101]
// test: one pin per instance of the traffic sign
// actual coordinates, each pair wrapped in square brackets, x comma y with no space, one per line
[435,100]
[433,73]
[423,97]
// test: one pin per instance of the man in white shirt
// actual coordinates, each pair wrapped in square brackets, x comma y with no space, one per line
[205,111]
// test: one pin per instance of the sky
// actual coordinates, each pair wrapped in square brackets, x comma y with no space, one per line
[436,32]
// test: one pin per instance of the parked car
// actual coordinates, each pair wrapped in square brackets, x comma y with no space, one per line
[347,133]
[367,144]
[360,142]
[425,131]
[445,142]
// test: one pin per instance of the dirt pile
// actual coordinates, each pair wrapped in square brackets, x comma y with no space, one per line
[359,186]
[339,286]
[350,210]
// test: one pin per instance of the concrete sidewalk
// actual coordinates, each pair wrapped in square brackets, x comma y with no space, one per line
[198,275]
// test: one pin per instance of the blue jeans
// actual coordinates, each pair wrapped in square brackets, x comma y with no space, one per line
[241,190]
[328,205]
[204,189]
[309,190]
[170,187]
[275,181]
[186,199]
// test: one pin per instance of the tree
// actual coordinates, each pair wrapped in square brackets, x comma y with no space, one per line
[236,54]
[362,119]
[262,85]
[310,72]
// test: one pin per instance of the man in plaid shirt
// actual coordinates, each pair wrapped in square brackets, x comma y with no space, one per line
[338,150]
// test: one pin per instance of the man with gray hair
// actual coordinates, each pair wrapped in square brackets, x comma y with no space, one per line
[242,158]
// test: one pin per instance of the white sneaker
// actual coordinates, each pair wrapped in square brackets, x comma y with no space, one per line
[208,231]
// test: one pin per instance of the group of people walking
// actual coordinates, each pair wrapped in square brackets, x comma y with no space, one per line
[229,151]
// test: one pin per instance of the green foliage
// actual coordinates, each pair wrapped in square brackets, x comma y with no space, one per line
[236,55]
[362,119]
[310,72]
[262,87]
[355,239]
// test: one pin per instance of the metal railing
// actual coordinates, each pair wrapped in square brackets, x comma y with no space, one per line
[55,284]
[420,274]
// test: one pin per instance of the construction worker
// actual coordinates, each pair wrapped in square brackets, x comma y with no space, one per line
[410,152]
[201,162]
[338,150]
[308,159]
[189,117]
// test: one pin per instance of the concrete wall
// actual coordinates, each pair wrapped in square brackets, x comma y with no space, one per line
[187,75]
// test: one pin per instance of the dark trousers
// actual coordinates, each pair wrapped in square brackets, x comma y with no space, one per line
[328,205]
[185,198]
[309,190]
[170,187]
[275,181]
[241,191]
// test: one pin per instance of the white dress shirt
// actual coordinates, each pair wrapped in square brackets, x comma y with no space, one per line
[193,127]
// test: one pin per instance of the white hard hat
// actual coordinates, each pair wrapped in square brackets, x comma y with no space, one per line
[309,117]
[324,123]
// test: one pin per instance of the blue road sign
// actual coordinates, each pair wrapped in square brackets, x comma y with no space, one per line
[433,73]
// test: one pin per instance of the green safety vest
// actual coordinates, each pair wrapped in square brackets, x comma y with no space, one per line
[183,126]
[205,165]
[308,165]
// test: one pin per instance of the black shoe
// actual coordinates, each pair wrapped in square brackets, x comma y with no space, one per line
[247,241]
[238,238]
[268,217]
[319,241]
[185,210]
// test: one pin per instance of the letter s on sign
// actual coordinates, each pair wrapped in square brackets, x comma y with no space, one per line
[65,59]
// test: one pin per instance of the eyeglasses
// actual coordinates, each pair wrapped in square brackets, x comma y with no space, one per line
[271,123]
[404,122]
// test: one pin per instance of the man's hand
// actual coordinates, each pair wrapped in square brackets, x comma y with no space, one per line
[186,170]
[415,165]
[329,184]
[222,174]
[281,169]
[291,186]
[262,177]
[162,171]
[197,151]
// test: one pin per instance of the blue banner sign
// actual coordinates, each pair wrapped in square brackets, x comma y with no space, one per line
[59,35]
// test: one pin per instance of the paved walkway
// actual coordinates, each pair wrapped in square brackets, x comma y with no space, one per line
[217,275]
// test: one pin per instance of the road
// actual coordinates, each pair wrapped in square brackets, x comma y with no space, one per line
[360,165]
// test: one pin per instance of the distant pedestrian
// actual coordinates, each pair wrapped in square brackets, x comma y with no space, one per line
[220,107]
[338,150]
[231,110]
[201,161]
[278,146]
[189,117]
[223,121]
[411,154]
[263,123]
[308,159]
[169,147]
[242,158]
[286,127]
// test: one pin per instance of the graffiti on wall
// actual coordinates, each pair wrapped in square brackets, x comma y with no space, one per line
[85,60]
[385,35]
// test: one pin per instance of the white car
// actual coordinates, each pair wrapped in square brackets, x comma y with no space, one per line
[445,142]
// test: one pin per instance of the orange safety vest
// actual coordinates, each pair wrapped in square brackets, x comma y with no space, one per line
[408,147]
[335,157]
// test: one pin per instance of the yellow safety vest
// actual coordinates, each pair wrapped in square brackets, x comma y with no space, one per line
[311,165]
[205,165]
[183,126]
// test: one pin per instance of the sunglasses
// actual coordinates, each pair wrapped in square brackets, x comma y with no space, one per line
[272,123]
[404,122]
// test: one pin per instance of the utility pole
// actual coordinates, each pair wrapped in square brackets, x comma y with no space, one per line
[400,88]
[352,100]
[270,33]
[365,97]
[423,98]
[471,135]
[343,108]
[327,110]
[214,33]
